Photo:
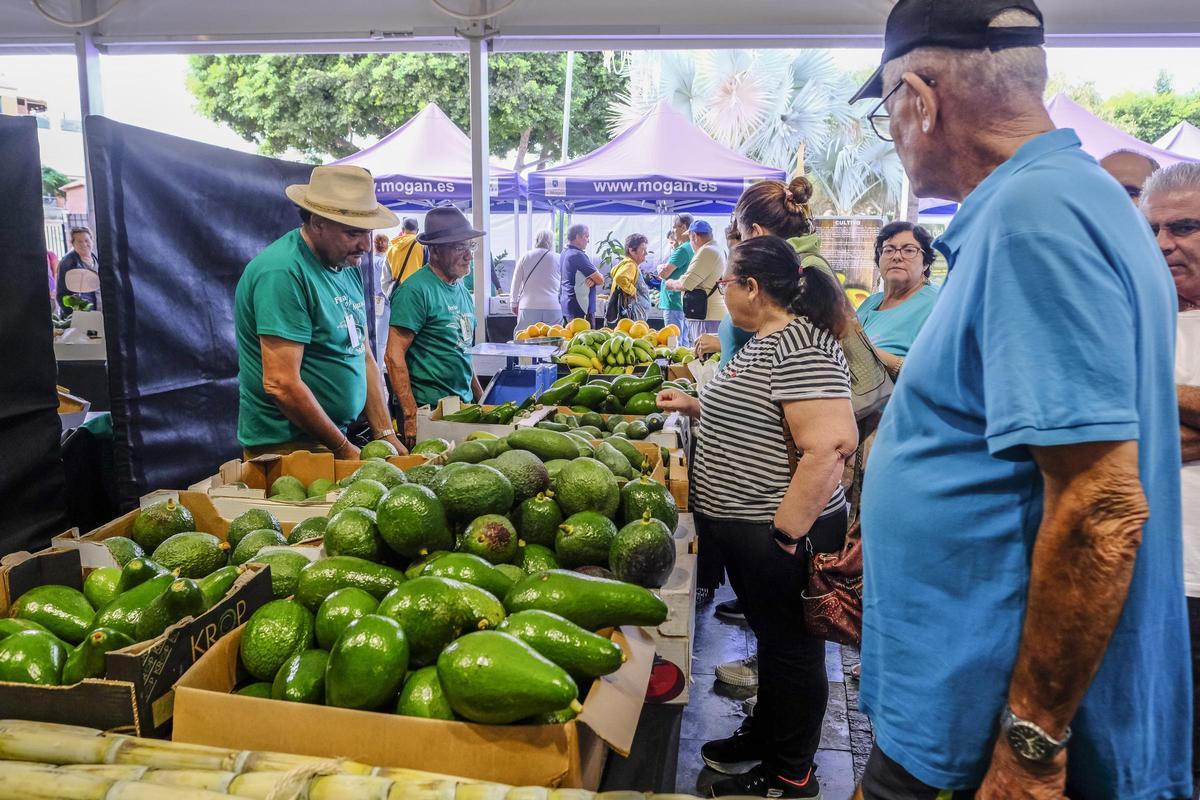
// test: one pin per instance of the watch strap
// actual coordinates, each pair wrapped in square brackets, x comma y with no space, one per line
[783,538]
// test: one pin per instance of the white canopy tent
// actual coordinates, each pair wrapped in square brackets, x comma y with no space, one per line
[91,27]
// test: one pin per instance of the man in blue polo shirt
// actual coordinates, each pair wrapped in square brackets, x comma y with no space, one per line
[579,276]
[1024,629]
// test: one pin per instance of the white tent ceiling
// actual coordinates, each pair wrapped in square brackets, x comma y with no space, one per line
[373,25]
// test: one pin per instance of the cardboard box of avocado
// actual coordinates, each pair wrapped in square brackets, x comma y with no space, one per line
[454,420]
[110,658]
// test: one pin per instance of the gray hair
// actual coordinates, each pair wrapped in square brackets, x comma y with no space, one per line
[1182,177]
[544,240]
[410,223]
[998,80]
[575,231]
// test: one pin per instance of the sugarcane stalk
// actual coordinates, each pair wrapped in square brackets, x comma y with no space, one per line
[52,747]
[260,761]
[190,779]
[117,772]
[45,782]
[528,793]
[134,790]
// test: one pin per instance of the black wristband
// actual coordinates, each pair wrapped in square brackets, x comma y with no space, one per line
[783,538]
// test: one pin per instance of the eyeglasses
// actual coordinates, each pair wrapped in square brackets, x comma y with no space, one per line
[881,121]
[908,251]
[1178,228]
[464,247]
[721,284]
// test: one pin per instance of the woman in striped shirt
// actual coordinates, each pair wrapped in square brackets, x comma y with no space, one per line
[791,380]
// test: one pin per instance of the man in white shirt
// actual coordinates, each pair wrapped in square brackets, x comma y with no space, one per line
[1171,203]
[704,273]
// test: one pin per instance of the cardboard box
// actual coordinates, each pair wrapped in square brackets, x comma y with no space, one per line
[673,638]
[676,372]
[208,520]
[685,534]
[135,695]
[259,473]
[570,755]
[668,437]
[430,424]
[677,478]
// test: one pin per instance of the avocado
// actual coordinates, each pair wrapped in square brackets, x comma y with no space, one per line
[615,420]
[553,468]
[643,552]
[642,495]
[366,664]
[254,519]
[353,532]
[469,453]
[430,612]
[322,578]
[635,457]
[430,447]
[596,572]
[512,571]
[319,488]
[637,430]
[126,609]
[137,572]
[260,689]
[216,585]
[254,541]
[620,428]
[584,538]
[615,460]
[412,521]
[100,586]
[339,610]
[484,609]
[9,626]
[580,652]
[123,549]
[182,598]
[418,564]
[380,448]
[301,679]
[288,488]
[363,493]
[475,490]
[552,425]
[423,696]
[192,554]
[495,678]
[655,422]
[423,475]
[546,445]
[273,634]
[443,474]
[285,570]
[388,474]
[592,603]
[587,485]
[583,445]
[32,657]
[590,431]
[537,520]
[560,717]
[492,538]
[87,659]
[160,521]
[591,397]
[537,558]
[642,403]
[307,530]
[63,611]
[525,472]
[472,569]
[592,419]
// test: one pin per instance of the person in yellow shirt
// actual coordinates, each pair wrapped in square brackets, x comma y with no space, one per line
[626,276]
[405,254]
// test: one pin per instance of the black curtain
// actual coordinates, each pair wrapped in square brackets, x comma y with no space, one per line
[31,475]
[177,221]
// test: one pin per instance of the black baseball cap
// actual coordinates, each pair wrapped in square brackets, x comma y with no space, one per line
[961,24]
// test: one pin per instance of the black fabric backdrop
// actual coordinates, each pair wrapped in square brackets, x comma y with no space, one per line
[177,221]
[31,474]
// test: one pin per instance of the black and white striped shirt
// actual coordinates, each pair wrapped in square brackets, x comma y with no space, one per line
[741,469]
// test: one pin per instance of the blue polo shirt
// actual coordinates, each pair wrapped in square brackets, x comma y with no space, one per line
[1054,327]
[579,296]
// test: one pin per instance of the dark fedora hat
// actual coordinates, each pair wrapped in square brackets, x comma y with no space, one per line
[447,225]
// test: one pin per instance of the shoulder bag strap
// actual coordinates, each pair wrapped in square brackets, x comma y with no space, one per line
[404,266]
[525,282]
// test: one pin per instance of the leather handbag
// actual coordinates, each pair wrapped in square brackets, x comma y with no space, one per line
[695,303]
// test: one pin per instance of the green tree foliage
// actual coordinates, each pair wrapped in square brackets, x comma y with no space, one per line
[1084,93]
[1149,115]
[320,104]
[52,181]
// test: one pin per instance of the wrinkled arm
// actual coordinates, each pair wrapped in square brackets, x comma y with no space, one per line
[825,435]
[396,361]
[1189,405]
[281,359]
[377,410]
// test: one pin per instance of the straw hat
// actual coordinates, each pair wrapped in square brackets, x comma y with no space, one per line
[343,194]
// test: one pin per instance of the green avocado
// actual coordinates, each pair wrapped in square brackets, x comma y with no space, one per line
[193,554]
[469,453]
[288,488]
[363,493]
[182,598]
[306,530]
[495,678]
[126,609]
[216,585]
[254,541]
[511,571]
[87,659]
[545,444]
[537,520]
[339,610]
[525,472]
[580,652]
[322,578]
[285,570]
[319,488]
[587,485]
[353,532]
[254,519]
[615,460]
[423,696]
[423,475]
[32,657]
[301,679]
[642,495]
[260,689]
[123,549]
[412,521]
[472,569]
[158,522]
[273,634]
[474,490]
[492,538]
[484,609]
[380,448]
[536,558]
[584,538]
[642,403]
[592,603]
[63,611]
[100,586]
[10,625]
[137,572]
[367,664]
[643,552]
[430,612]
[388,474]
[635,457]
[430,447]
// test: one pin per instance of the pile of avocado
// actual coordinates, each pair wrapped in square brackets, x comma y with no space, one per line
[625,394]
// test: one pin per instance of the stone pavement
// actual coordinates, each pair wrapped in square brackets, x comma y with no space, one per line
[715,710]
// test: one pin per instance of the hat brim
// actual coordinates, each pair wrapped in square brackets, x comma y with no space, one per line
[450,237]
[381,217]
[873,88]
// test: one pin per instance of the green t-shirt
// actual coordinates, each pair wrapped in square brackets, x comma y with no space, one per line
[680,258]
[442,318]
[287,292]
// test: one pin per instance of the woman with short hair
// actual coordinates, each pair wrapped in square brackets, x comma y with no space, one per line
[893,318]
[536,283]
[626,277]
[82,256]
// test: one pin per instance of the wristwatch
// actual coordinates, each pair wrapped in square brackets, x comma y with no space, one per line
[383,434]
[783,537]
[1028,740]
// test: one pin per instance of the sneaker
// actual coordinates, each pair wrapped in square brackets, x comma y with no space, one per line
[730,609]
[734,755]
[740,673]
[758,783]
[704,595]
[748,705]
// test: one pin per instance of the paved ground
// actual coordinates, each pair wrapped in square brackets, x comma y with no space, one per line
[715,709]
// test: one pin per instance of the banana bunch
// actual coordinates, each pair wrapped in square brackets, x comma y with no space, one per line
[601,352]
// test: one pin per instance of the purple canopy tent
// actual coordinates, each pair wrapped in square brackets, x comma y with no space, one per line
[662,163]
[1182,140]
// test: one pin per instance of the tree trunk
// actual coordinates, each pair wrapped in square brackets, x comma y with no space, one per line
[800,159]
[522,149]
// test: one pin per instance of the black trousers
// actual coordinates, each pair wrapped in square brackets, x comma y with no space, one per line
[1193,608]
[792,687]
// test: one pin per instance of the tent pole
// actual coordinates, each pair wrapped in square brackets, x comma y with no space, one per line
[480,200]
[517,228]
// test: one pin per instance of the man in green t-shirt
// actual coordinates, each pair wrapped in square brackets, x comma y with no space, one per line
[433,321]
[305,368]
[674,268]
